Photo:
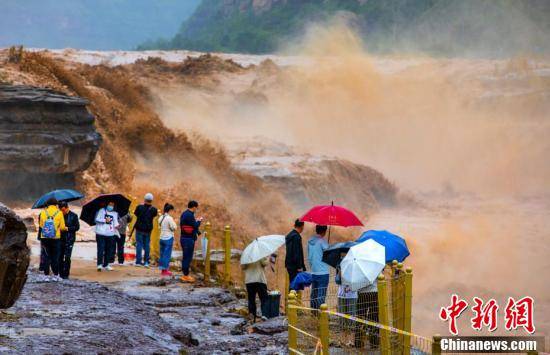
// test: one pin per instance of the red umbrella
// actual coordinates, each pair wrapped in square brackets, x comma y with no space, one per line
[331,215]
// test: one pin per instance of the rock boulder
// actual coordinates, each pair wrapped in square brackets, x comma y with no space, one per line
[14,256]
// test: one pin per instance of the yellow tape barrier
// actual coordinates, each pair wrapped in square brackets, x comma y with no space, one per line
[291,350]
[377,325]
[303,332]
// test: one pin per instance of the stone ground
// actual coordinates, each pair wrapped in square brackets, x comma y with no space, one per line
[143,315]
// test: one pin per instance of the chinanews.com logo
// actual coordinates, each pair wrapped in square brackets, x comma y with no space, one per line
[518,314]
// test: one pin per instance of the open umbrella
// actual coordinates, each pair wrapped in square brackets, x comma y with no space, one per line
[301,281]
[89,210]
[333,255]
[363,264]
[261,247]
[66,195]
[331,215]
[396,247]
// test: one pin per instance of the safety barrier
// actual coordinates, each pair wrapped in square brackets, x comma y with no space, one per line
[206,264]
[376,321]
[327,331]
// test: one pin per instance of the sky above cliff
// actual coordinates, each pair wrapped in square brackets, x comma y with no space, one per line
[90,24]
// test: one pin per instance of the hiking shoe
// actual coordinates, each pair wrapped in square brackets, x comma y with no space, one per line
[187,278]
[166,273]
[146,265]
[99,268]
[108,268]
[264,318]
[139,265]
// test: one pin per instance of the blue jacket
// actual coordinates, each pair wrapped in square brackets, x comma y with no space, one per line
[189,225]
[315,248]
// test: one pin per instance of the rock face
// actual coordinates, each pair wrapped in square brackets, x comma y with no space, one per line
[308,180]
[14,256]
[43,132]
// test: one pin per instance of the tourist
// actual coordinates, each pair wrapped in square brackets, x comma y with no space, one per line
[68,238]
[145,215]
[105,229]
[256,283]
[319,270]
[167,227]
[189,230]
[51,223]
[120,238]
[294,259]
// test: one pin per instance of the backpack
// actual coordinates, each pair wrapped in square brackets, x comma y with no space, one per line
[49,231]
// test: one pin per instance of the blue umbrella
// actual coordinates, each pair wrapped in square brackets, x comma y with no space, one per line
[59,195]
[396,247]
[302,280]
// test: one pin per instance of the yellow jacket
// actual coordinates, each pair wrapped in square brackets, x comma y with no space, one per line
[58,220]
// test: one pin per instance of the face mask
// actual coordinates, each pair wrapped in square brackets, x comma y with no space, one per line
[110,208]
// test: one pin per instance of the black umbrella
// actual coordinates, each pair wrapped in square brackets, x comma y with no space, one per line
[89,210]
[333,255]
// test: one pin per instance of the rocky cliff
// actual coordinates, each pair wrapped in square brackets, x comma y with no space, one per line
[14,256]
[43,132]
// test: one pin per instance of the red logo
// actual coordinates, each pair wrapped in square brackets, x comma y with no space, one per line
[452,312]
[520,314]
[485,314]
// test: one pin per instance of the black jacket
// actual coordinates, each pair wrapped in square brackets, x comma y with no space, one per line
[72,223]
[145,215]
[189,225]
[294,259]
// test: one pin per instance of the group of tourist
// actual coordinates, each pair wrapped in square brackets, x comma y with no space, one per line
[58,226]
[362,303]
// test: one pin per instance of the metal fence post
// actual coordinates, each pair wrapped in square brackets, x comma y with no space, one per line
[287,289]
[207,235]
[323,328]
[383,315]
[292,322]
[408,311]
[436,345]
[227,247]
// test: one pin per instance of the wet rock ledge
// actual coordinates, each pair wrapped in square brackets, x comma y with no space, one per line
[78,317]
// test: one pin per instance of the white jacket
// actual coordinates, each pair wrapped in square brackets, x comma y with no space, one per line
[104,225]
[167,227]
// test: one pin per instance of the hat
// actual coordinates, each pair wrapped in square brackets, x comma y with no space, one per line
[148,197]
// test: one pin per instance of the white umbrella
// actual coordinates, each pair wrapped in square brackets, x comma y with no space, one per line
[261,247]
[363,263]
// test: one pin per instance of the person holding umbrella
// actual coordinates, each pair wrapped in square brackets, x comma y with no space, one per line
[51,223]
[65,195]
[106,227]
[316,245]
[253,261]
[68,238]
[294,259]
